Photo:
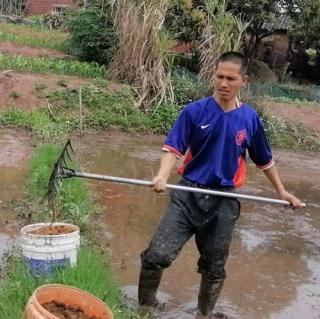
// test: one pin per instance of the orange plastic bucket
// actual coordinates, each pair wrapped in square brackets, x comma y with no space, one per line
[70,297]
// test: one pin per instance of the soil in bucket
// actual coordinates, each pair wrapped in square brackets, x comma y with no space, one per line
[65,302]
[62,311]
[53,230]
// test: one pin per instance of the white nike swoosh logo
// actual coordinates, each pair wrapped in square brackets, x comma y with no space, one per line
[205,126]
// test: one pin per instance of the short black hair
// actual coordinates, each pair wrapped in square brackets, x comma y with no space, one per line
[234,57]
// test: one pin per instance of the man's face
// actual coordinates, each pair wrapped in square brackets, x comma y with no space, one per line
[228,80]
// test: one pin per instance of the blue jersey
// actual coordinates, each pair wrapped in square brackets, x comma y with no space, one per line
[214,143]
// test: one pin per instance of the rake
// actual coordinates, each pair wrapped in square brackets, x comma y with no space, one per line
[61,171]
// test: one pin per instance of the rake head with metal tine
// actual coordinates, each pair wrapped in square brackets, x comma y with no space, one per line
[58,171]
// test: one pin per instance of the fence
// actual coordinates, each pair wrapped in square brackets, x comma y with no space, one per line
[12,7]
[294,92]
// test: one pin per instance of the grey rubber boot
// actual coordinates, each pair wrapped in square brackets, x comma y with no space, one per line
[148,286]
[208,295]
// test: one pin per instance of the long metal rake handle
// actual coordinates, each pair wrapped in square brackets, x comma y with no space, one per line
[69,173]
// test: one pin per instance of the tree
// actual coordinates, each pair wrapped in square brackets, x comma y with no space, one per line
[183,22]
[306,17]
[258,13]
[305,33]
[92,37]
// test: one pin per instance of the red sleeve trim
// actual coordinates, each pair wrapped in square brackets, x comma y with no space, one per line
[168,148]
[267,166]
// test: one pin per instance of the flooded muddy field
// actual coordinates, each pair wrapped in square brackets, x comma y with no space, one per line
[15,150]
[274,267]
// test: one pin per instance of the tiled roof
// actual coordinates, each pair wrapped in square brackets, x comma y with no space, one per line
[283,22]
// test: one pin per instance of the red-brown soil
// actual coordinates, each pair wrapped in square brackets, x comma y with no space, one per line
[18,49]
[66,312]
[53,230]
[28,90]
[308,114]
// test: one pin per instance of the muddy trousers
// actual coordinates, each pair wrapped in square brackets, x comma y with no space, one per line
[211,219]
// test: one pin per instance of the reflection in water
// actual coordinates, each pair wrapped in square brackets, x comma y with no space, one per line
[14,152]
[308,296]
[4,240]
[273,268]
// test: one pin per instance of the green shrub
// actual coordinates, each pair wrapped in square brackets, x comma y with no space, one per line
[187,87]
[91,36]
[183,22]
[162,119]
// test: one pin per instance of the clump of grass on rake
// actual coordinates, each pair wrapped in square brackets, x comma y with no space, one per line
[143,58]
[68,200]
[222,32]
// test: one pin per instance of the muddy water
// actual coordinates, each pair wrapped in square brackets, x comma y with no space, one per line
[14,151]
[274,265]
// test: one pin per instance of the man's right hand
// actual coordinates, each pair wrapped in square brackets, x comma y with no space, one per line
[159,184]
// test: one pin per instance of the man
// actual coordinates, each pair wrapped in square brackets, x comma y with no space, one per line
[213,134]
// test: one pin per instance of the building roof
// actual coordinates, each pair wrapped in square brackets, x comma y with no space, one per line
[283,22]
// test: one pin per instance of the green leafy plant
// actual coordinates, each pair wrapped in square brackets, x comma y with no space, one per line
[187,87]
[51,65]
[91,36]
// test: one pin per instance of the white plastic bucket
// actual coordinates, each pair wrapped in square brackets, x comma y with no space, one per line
[45,252]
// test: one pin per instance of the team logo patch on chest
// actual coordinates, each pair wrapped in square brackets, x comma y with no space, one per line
[241,137]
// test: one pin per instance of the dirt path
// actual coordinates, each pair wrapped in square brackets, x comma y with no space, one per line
[18,49]
[308,114]
[28,90]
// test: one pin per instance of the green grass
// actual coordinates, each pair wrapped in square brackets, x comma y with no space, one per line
[40,122]
[101,110]
[74,203]
[104,110]
[52,65]
[91,274]
[33,36]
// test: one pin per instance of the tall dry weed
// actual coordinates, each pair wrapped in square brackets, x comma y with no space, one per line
[143,58]
[223,32]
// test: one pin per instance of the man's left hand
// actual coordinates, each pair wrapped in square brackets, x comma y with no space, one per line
[294,201]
